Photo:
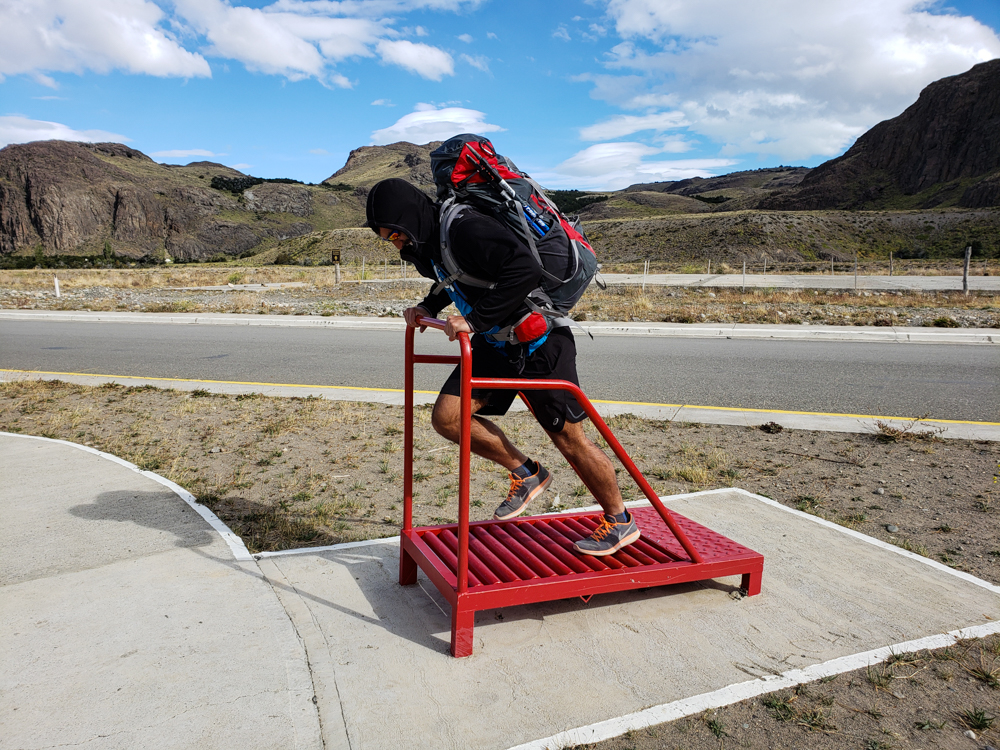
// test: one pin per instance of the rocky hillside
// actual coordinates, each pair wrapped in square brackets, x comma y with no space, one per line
[785,236]
[369,164]
[944,150]
[76,199]
[933,173]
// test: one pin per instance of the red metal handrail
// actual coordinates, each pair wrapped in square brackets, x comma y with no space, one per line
[465,438]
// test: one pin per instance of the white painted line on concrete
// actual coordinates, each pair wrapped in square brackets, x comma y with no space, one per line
[771,683]
[616,727]
[328,548]
[870,540]
[236,545]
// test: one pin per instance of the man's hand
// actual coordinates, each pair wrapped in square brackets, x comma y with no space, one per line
[456,324]
[411,314]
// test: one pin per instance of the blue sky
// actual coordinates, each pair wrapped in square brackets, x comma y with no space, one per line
[589,94]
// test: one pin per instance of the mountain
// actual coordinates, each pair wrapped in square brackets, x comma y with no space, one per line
[943,151]
[78,199]
[369,164]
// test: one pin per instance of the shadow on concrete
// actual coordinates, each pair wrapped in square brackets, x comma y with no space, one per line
[162,511]
[420,614]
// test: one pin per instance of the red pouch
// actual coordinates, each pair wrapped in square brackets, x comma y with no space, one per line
[531,328]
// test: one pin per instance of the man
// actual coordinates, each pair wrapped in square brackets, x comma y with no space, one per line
[484,248]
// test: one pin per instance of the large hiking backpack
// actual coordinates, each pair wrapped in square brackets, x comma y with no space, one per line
[468,172]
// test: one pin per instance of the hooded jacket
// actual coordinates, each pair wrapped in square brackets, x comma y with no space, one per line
[483,247]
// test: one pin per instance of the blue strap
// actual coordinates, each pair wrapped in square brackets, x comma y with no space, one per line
[464,308]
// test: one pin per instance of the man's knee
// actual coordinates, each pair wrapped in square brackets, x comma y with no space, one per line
[446,417]
[571,438]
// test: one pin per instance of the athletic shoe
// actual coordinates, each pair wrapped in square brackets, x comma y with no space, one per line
[522,492]
[609,537]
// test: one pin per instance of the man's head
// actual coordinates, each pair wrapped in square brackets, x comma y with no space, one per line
[399,212]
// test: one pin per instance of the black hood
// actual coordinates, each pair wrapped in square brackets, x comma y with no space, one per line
[397,205]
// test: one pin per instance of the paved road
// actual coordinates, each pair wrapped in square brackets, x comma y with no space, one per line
[943,381]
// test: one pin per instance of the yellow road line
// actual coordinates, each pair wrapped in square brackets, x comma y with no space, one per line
[800,413]
[595,401]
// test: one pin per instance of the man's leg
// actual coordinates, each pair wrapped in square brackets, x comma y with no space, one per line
[617,528]
[527,479]
[591,464]
[487,439]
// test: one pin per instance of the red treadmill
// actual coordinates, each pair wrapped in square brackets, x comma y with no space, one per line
[491,564]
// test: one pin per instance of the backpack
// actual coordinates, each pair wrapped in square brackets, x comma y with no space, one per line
[468,172]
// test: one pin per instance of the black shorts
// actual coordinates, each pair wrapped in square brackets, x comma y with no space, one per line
[555,359]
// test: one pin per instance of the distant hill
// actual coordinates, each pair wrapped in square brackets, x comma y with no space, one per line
[105,199]
[943,151]
[76,200]
[369,164]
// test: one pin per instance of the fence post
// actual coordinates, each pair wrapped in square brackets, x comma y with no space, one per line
[709,266]
[765,265]
[57,285]
[855,272]
[337,277]
[965,270]
[362,268]
[890,263]
[744,276]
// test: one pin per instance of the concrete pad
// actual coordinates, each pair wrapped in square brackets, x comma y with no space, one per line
[542,669]
[128,623]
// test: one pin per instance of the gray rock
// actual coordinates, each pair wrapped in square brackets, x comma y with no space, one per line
[891,529]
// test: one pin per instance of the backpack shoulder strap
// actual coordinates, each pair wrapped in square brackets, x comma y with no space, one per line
[450,210]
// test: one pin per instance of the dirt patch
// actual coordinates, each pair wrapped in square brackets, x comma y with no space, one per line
[294,472]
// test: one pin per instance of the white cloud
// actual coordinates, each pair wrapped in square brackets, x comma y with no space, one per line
[613,166]
[561,33]
[18,129]
[183,153]
[465,38]
[240,167]
[98,35]
[783,77]
[622,125]
[375,8]
[383,103]
[480,62]
[428,123]
[426,61]
[293,38]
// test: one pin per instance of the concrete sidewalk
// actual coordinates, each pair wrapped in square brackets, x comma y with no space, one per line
[132,619]
[804,332]
[128,622]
